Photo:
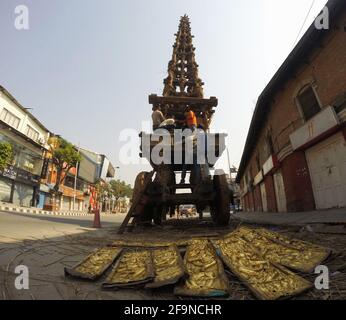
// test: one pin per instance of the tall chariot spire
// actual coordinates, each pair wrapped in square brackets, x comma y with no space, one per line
[183,79]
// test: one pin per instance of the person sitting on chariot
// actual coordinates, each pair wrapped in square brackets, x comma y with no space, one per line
[190,118]
[157,117]
[191,122]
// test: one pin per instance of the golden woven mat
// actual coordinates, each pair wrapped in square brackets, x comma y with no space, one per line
[168,266]
[266,280]
[206,276]
[134,267]
[156,243]
[258,257]
[142,244]
[95,264]
[291,253]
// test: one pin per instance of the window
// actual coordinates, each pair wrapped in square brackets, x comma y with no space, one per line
[10,118]
[70,180]
[29,162]
[32,133]
[308,102]
[23,158]
[340,107]
[340,103]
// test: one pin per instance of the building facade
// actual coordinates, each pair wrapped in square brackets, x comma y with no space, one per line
[94,168]
[73,191]
[295,153]
[77,191]
[29,180]
[20,181]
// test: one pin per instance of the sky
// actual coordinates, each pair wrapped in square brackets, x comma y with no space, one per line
[86,67]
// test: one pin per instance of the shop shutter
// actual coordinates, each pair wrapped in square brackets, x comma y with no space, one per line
[5,190]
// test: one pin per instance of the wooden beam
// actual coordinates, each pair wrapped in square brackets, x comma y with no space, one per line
[154,99]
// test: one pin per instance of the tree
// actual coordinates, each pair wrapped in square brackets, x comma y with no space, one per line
[102,190]
[120,189]
[64,157]
[115,189]
[6,154]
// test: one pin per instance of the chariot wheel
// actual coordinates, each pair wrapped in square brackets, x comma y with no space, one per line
[139,186]
[220,208]
[143,209]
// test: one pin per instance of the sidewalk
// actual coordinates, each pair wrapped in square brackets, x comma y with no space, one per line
[8,207]
[337,216]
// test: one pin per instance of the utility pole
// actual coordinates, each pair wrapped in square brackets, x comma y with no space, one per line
[75,183]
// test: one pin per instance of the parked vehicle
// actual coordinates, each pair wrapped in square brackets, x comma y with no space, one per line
[187,210]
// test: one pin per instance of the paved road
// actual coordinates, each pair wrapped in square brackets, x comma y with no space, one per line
[20,226]
[47,244]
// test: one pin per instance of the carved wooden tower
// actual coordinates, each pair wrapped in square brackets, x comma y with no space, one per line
[183,86]
[183,79]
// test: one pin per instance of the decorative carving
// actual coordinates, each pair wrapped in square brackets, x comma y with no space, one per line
[183,79]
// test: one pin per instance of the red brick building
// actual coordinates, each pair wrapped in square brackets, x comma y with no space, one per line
[294,158]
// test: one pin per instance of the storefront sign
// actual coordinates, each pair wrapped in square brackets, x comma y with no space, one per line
[44,171]
[44,188]
[270,164]
[9,172]
[258,179]
[19,174]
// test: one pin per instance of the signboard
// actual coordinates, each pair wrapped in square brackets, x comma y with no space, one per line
[106,171]
[44,188]
[20,174]
[9,172]
[44,171]
[270,164]
[319,124]
[258,178]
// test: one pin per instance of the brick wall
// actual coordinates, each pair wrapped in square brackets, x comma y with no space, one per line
[326,69]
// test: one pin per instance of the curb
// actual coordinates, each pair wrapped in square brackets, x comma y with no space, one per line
[44,212]
[284,223]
